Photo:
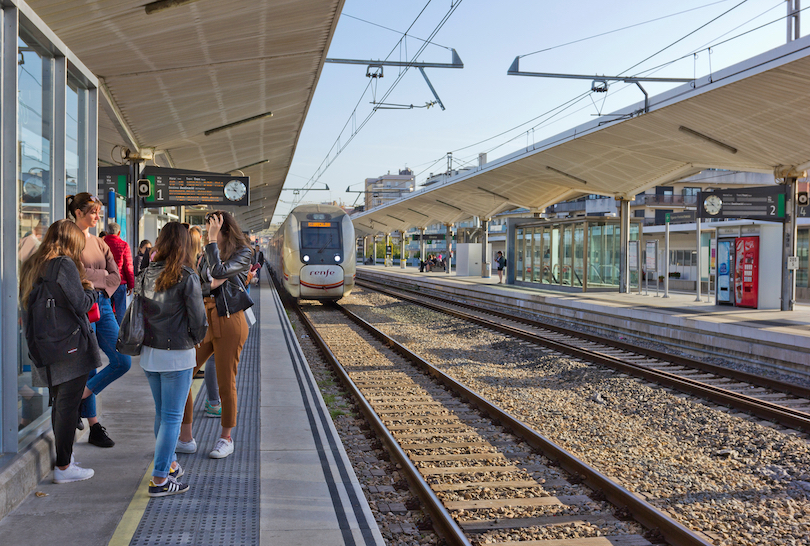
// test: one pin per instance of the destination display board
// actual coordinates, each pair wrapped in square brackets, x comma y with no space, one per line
[685,217]
[758,203]
[115,179]
[173,187]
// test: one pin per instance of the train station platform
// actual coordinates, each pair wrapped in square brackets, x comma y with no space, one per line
[289,481]
[780,339]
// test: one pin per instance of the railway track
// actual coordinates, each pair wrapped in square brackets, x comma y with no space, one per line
[782,403]
[475,467]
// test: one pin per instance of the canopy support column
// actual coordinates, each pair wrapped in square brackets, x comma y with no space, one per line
[624,262]
[789,235]
[449,241]
[486,265]
[402,250]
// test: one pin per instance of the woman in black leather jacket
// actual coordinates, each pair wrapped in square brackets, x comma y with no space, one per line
[174,322]
[228,258]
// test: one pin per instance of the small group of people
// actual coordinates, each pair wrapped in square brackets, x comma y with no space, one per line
[432,262]
[193,301]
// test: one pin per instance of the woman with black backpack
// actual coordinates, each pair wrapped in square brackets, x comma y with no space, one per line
[58,262]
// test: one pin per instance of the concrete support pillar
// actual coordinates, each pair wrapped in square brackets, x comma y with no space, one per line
[697,283]
[789,247]
[624,263]
[422,255]
[486,265]
[374,250]
[402,250]
[449,241]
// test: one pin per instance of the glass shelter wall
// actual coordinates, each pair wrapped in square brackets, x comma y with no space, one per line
[579,253]
[49,116]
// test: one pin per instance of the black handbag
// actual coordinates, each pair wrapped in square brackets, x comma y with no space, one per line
[233,297]
[131,332]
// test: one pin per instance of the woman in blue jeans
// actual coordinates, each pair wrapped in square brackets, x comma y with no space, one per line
[102,271]
[174,322]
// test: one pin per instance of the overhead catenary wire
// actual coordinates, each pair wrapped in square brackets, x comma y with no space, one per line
[620,29]
[327,161]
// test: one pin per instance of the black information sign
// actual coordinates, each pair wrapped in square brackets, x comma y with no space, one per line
[113,179]
[758,203]
[389,250]
[173,187]
[685,217]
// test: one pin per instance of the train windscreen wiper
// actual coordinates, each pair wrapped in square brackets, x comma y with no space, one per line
[325,244]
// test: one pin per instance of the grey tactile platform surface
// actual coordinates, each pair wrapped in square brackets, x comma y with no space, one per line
[222,504]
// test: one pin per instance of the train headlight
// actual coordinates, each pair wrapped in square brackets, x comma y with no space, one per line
[337,258]
[305,258]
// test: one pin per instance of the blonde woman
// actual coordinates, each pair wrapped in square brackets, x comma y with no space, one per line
[213,407]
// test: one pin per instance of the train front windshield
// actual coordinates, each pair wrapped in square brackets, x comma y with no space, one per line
[317,236]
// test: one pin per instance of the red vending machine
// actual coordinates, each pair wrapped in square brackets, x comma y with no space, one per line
[746,272]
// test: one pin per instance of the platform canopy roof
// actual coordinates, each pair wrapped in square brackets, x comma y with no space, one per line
[753,116]
[169,76]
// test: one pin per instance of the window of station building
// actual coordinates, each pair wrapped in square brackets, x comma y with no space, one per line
[519,254]
[35,72]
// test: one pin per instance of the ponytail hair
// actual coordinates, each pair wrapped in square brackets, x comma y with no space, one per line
[83,201]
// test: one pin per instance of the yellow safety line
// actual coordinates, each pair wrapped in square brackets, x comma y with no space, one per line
[137,506]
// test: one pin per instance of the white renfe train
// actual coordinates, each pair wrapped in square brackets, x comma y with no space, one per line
[313,253]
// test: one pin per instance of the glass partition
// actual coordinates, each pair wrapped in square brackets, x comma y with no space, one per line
[567,256]
[35,72]
[569,252]
[579,254]
[519,255]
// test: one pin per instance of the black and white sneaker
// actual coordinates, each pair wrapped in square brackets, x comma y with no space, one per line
[169,487]
[176,472]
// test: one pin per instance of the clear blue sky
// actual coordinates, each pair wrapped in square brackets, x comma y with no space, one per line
[481,100]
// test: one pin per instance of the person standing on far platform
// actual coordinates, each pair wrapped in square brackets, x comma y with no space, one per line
[84,209]
[229,259]
[501,263]
[123,259]
[174,322]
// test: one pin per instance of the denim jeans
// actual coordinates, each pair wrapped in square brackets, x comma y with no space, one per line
[170,390]
[107,335]
[119,301]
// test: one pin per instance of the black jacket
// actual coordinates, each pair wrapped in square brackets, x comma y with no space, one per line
[174,319]
[230,296]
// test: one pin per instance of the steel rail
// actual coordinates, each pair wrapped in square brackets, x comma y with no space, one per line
[766,410]
[643,512]
[443,522]
[768,383]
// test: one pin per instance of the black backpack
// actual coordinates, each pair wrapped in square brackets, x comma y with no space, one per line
[54,331]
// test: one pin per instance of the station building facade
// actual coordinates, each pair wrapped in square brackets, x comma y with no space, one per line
[48,150]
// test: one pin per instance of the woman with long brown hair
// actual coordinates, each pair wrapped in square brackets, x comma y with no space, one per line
[228,258]
[174,322]
[99,263]
[60,254]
